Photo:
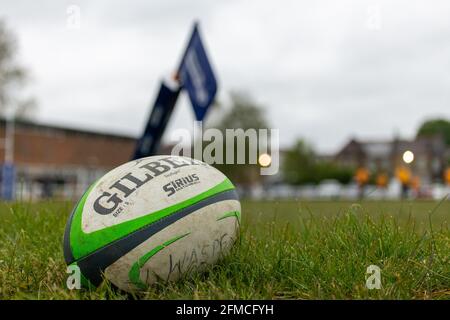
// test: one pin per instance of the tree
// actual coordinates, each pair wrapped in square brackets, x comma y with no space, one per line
[242,113]
[12,78]
[435,127]
[301,166]
[299,163]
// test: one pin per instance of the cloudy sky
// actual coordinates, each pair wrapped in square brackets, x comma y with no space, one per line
[325,70]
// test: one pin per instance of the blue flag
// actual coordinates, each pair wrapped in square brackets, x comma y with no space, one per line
[196,76]
[148,144]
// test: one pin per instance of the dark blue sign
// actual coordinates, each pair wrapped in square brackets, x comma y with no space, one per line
[196,76]
[148,144]
[8,186]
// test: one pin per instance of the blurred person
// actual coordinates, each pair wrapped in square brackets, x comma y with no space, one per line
[447,176]
[382,181]
[403,175]
[362,178]
[415,186]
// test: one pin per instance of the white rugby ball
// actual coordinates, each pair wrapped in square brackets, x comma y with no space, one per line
[152,219]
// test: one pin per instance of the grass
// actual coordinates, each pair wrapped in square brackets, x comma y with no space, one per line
[287,250]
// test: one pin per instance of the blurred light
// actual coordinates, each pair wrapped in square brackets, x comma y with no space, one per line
[408,156]
[264,160]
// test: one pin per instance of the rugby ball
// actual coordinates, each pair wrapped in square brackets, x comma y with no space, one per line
[152,220]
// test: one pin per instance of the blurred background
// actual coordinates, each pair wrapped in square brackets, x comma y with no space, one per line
[358,89]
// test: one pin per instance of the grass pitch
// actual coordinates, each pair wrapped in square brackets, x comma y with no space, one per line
[287,250]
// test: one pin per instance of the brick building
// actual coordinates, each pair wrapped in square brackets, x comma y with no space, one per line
[53,161]
[430,156]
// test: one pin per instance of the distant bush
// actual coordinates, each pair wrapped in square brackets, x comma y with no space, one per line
[435,127]
[328,170]
[302,167]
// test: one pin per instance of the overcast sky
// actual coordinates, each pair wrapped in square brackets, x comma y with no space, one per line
[324,70]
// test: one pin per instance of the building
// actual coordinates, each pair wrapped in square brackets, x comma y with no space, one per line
[53,161]
[430,156]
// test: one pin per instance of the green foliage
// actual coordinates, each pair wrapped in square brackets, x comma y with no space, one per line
[299,163]
[12,77]
[243,113]
[287,250]
[327,170]
[434,127]
[301,167]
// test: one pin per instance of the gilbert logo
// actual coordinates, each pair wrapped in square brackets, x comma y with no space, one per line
[122,188]
[181,183]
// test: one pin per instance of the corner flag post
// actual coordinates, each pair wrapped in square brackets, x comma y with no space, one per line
[194,75]
[149,142]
